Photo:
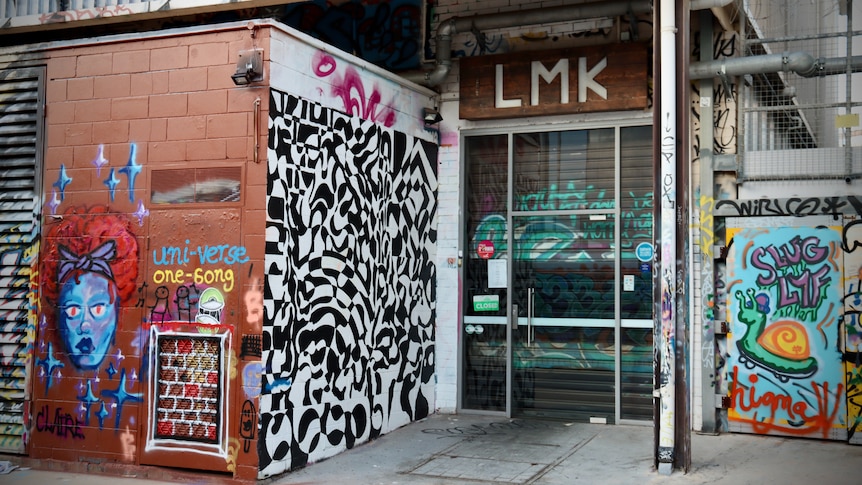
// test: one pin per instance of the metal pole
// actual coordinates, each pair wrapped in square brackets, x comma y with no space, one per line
[707,238]
[848,149]
[668,142]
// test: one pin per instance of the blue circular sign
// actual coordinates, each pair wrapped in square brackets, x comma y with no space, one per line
[644,252]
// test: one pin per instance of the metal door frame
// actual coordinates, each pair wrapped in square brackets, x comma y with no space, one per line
[509,130]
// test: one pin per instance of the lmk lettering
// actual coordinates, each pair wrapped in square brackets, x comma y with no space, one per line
[586,80]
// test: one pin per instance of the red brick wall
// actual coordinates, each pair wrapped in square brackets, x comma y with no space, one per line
[172,99]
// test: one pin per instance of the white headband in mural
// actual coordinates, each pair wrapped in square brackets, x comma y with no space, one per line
[96,261]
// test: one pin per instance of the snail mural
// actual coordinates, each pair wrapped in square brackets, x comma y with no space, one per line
[783,367]
[781,347]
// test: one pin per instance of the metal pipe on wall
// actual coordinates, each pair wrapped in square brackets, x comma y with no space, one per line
[449,27]
[706,241]
[717,8]
[668,204]
[801,63]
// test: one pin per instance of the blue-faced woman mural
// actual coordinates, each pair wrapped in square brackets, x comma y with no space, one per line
[89,275]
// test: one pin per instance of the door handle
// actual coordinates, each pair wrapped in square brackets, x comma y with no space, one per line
[514,316]
[530,315]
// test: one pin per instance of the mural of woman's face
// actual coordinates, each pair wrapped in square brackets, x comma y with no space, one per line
[88,318]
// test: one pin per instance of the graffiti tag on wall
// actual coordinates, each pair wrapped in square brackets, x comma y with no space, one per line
[176,257]
[853,327]
[784,295]
[349,87]
[385,33]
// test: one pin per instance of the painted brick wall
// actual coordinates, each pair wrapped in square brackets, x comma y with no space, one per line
[153,221]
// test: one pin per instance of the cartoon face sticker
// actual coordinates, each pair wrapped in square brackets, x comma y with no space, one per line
[210,306]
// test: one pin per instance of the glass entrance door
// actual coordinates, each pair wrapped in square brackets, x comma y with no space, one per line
[563,354]
[557,308]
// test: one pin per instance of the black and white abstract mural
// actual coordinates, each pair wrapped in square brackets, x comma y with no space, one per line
[349,300]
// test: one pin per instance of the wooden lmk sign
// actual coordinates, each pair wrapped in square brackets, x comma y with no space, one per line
[606,78]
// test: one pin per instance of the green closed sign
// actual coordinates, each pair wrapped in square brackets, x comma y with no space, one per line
[486,303]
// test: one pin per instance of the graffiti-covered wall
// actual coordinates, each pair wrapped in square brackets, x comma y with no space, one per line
[788,290]
[350,309]
[786,311]
[19,248]
[148,343]
[311,70]
[157,213]
[852,358]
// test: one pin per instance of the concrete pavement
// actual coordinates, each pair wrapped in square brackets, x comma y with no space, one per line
[471,449]
[446,449]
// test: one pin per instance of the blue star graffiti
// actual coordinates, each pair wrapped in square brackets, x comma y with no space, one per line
[111,182]
[88,277]
[131,170]
[121,397]
[62,181]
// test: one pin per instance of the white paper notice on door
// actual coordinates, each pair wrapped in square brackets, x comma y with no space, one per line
[497,273]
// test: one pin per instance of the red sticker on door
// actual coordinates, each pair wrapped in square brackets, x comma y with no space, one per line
[485,249]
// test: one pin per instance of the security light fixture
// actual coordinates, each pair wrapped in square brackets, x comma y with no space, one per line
[431,116]
[249,67]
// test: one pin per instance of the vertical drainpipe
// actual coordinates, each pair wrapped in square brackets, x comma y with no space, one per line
[667,283]
[848,132]
[682,441]
[707,230]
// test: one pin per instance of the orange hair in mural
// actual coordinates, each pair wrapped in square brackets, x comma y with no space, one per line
[90,240]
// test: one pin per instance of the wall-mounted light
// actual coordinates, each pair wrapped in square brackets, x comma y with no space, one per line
[431,116]
[249,67]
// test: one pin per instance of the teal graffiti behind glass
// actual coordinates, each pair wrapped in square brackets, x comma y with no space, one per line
[636,216]
[581,202]
[636,226]
[485,350]
[564,170]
